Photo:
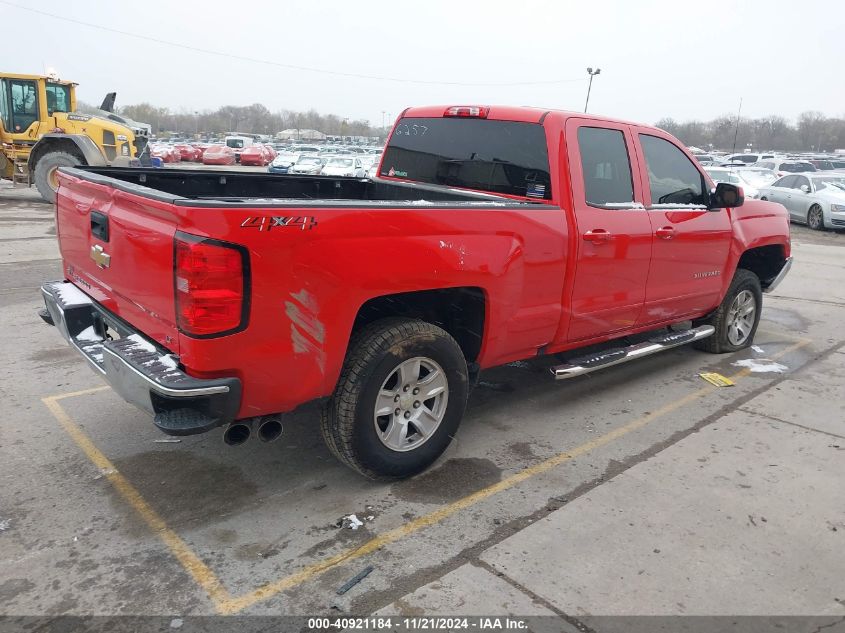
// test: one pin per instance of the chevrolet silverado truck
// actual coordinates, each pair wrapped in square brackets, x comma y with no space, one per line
[491,234]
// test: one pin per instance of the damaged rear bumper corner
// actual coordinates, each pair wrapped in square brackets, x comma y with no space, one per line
[136,368]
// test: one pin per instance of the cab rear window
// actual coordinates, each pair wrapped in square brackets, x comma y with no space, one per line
[507,157]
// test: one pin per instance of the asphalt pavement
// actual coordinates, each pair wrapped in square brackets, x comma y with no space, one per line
[638,490]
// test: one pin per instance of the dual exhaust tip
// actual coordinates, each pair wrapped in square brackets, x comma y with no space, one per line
[268,429]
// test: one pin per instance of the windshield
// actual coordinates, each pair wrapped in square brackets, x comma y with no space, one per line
[339,162]
[235,142]
[796,168]
[506,157]
[309,160]
[824,165]
[830,182]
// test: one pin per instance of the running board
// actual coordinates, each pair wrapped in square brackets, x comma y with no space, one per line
[608,358]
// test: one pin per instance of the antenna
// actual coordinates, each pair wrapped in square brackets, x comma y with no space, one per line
[736,131]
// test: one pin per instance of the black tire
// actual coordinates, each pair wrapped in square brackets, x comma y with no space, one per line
[44,172]
[815,218]
[348,423]
[719,342]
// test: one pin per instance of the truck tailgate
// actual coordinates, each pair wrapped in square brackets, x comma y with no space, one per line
[119,249]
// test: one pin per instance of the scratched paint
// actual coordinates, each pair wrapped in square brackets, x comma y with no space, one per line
[307,332]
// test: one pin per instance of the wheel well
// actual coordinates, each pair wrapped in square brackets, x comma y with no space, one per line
[763,261]
[459,311]
[47,145]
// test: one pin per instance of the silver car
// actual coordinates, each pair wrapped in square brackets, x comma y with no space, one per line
[307,164]
[749,178]
[817,199]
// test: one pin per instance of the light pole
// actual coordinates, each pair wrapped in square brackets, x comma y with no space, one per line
[592,74]
[382,119]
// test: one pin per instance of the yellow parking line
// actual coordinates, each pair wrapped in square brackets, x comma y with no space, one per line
[198,570]
[83,392]
[272,588]
[227,604]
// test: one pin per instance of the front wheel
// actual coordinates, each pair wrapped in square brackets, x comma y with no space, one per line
[815,218]
[737,317]
[399,400]
[46,178]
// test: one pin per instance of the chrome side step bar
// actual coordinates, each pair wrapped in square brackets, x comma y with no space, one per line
[608,358]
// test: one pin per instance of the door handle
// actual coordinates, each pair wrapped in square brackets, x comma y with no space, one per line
[597,236]
[665,233]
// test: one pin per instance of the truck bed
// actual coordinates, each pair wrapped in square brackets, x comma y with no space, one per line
[205,187]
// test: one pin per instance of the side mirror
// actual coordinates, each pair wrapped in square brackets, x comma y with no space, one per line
[805,188]
[726,195]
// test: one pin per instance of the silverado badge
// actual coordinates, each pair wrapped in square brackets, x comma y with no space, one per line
[100,257]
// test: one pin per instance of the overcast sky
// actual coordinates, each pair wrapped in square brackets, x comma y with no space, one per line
[679,59]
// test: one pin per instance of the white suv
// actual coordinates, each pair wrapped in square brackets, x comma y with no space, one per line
[746,158]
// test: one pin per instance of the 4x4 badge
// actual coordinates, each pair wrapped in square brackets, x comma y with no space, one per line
[100,257]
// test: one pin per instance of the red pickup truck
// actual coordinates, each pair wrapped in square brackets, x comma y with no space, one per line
[491,234]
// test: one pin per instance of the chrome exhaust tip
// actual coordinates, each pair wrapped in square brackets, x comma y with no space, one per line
[270,430]
[237,433]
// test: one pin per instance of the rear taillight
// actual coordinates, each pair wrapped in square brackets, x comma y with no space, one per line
[211,279]
[467,111]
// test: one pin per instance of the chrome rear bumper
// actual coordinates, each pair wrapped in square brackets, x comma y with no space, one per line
[137,368]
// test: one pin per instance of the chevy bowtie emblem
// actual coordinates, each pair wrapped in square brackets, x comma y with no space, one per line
[100,257]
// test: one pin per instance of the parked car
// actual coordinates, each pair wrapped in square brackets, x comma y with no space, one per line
[783,167]
[167,153]
[187,152]
[255,155]
[282,162]
[749,178]
[747,158]
[344,166]
[201,147]
[245,311]
[705,160]
[306,149]
[822,164]
[271,151]
[817,200]
[307,164]
[219,155]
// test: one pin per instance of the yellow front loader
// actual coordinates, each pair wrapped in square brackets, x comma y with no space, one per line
[41,131]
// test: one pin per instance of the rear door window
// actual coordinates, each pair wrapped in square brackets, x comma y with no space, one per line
[787,182]
[606,167]
[672,177]
[507,157]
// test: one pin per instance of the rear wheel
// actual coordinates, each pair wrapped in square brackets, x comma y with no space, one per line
[815,218]
[737,317]
[399,400]
[46,178]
